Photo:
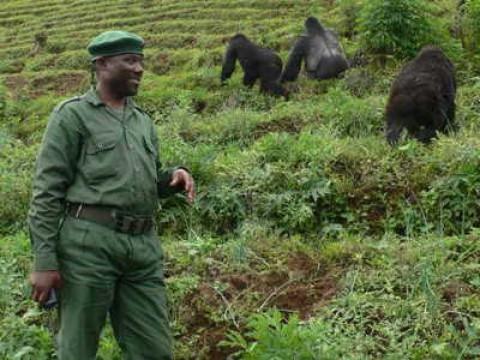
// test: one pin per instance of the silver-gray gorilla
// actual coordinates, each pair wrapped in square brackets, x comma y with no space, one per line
[321,51]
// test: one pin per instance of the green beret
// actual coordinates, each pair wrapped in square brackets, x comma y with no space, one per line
[115,42]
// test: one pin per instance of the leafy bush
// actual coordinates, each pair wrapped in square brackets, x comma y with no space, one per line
[347,11]
[395,27]
[272,338]
[470,24]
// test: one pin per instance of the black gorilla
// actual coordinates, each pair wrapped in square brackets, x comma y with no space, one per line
[321,51]
[422,98]
[257,62]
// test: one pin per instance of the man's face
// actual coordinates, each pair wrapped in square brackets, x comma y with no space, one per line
[123,73]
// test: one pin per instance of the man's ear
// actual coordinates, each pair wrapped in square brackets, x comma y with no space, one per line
[101,63]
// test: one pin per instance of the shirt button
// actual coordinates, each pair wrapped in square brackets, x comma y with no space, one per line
[130,147]
[136,168]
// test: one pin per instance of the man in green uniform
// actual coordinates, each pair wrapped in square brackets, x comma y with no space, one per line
[98,177]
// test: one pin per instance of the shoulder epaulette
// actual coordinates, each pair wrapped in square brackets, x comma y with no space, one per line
[141,110]
[65,102]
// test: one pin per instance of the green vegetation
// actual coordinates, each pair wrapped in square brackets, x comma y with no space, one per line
[395,27]
[311,237]
[470,12]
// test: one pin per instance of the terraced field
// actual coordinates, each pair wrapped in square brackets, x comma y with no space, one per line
[311,238]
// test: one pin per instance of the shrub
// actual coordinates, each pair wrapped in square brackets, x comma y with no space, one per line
[347,12]
[470,24]
[397,28]
[275,338]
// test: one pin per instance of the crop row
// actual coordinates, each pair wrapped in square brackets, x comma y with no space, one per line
[105,8]
[188,17]
[184,36]
[60,9]
[153,23]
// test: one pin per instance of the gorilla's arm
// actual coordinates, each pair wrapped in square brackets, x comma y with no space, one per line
[294,63]
[393,131]
[229,62]
[279,90]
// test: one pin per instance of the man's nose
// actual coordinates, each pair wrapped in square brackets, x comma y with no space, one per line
[138,68]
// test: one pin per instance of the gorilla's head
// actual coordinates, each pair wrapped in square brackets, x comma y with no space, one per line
[313,25]
[431,52]
[239,36]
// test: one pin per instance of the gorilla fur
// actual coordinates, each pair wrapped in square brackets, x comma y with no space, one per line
[320,49]
[257,63]
[422,97]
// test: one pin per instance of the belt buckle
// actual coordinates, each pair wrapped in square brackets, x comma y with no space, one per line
[123,222]
[145,224]
[132,225]
[141,225]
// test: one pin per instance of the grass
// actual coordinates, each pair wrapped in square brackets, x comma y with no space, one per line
[311,238]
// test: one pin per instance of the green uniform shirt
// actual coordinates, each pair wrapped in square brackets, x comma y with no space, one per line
[91,154]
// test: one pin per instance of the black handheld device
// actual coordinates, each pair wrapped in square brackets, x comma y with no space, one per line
[52,300]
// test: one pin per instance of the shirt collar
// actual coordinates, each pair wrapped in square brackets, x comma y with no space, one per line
[129,104]
[92,97]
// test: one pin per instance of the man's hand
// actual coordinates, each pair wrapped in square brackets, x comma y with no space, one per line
[182,179]
[42,282]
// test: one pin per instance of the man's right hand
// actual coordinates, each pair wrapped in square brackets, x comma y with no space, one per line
[42,282]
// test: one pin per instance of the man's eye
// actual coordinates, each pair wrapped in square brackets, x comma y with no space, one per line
[133,61]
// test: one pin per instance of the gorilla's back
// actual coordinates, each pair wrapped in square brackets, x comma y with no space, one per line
[325,58]
[315,51]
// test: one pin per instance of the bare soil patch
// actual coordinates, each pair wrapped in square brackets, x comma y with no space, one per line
[285,124]
[19,86]
[222,300]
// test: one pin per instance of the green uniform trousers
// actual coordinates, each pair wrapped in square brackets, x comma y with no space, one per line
[105,271]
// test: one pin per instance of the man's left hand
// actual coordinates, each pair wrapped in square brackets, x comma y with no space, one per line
[182,179]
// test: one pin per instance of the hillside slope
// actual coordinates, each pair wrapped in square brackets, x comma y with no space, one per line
[366,251]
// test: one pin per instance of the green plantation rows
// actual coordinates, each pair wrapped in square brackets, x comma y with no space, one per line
[46,8]
[55,16]
[154,22]
[13,7]
[91,9]
[157,19]
[175,40]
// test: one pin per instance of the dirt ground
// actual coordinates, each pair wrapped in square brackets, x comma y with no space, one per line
[33,87]
[302,287]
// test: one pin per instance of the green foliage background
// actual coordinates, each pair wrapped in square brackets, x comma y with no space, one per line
[390,233]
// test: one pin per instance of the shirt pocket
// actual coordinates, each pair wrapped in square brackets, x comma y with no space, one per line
[149,146]
[102,158]
[151,156]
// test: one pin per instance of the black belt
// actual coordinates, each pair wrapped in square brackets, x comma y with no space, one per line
[112,218]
